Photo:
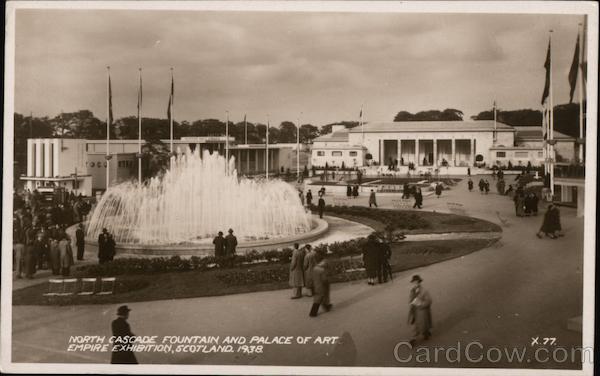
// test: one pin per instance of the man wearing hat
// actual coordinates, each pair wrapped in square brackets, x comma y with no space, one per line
[102,246]
[80,241]
[219,242]
[120,328]
[230,244]
[419,313]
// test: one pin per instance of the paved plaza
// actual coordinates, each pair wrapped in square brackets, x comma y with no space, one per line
[520,287]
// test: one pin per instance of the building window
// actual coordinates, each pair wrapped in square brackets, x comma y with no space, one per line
[521,154]
[336,153]
[92,164]
[353,153]
[320,154]
[501,154]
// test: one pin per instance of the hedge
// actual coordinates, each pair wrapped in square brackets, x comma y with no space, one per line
[399,219]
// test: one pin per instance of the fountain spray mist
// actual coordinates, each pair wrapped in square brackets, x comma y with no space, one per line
[194,200]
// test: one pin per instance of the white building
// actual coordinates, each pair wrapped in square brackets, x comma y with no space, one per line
[454,144]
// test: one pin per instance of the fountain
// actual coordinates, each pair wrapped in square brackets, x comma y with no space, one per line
[183,209]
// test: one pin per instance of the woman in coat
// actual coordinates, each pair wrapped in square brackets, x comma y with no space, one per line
[321,286]
[66,255]
[297,271]
[355,191]
[549,224]
[371,258]
[420,310]
[309,264]
[348,191]
[438,190]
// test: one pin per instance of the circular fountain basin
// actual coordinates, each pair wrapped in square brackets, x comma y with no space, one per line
[206,248]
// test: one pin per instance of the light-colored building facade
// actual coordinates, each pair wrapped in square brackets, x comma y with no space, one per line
[80,165]
[335,150]
[441,143]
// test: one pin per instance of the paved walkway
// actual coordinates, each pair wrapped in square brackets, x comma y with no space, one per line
[521,287]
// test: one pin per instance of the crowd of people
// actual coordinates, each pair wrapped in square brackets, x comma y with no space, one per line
[376,258]
[40,240]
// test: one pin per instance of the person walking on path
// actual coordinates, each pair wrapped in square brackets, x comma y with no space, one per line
[519,203]
[486,186]
[419,314]
[534,203]
[66,255]
[468,171]
[321,206]
[301,196]
[80,242]
[550,223]
[418,199]
[438,190]
[122,332]
[470,185]
[372,199]
[481,185]
[349,191]
[219,243]
[309,264]
[309,198]
[321,296]
[297,271]
[372,259]
[405,191]
[500,186]
[355,191]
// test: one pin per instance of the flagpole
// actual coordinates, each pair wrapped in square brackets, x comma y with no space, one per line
[172,115]
[140,130]
[495,132]
[551,135]
[298,148]
[108,89]
[267,151]
[362,128]
[245,129]
[227,142]
[580,92]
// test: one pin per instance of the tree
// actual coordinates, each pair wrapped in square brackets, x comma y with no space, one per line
[449,114]
[155,158]
[308,132]
[287,132]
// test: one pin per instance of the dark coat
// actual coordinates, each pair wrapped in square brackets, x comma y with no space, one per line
[309,198]
[372,257]
[309,264]
[419,198]
[438,189]
[219,242]
[120,328]
[230,244]
[80,237]
[349,191]
[321,283]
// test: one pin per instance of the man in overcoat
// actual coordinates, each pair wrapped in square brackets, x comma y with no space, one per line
[121,329]
[219,242]
[297,271]
[80,241]
[321,283]
[230,246]
[309,264]
[419,313]
[102,246]
[66,255]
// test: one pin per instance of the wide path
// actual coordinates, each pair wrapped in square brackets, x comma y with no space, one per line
[521,287]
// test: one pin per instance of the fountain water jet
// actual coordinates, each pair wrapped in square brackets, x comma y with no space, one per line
[194,200]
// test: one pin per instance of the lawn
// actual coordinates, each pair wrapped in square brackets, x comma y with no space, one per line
[262,277]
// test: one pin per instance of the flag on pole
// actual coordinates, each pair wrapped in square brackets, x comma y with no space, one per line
[545,123]
[573,70]
[171,99]
[110,111]
[139,103]
[547,66]
[583,61]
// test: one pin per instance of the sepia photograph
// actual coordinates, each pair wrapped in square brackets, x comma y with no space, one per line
[293,187]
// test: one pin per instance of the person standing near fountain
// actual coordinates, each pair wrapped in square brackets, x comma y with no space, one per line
[219,242]
[80,242]
[297,271]
[309,198]
[102,246]
[321,206]
[230,245]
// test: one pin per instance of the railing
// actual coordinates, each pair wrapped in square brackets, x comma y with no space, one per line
[574,171]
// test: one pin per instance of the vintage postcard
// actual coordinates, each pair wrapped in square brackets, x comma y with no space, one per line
[291,187]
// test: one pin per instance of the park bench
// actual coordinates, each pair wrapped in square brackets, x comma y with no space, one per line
[81,287]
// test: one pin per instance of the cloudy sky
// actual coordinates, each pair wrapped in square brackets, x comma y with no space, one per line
[324,65]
